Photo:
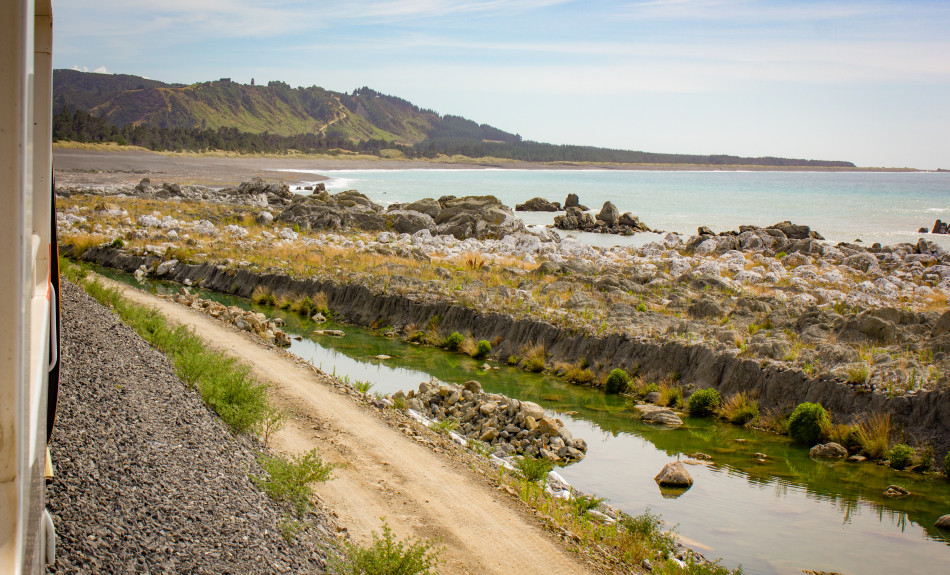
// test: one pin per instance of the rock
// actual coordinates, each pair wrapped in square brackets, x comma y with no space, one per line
[480,217]
[658,415]
[281,339]
[792,231]
[829,450]
[652,397]
[165,267]
[704,231]
[701,456]
[674,475]
[573,202]
[943,522]
[531,409]
[318,317]
[895,491]
[330,332]
[427,206]
[473,386]
[938,228]
[538,205]
[857,458]
[923,230]
[609,214]
[265,218]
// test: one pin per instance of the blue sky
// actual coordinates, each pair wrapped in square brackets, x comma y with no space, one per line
[864,81]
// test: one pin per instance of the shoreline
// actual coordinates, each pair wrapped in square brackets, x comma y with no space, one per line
[128,165]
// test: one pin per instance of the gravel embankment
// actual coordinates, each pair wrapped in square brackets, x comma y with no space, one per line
[149,480]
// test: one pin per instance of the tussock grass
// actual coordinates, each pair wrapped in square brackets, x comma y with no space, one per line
[875,432]
[533,358]
[671,393]
[739,409]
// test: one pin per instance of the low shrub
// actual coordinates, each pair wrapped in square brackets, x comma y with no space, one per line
[362,386]
[584,503]
[533,469]
[482,349]
[846,435]
[453,342]
[578,376]
[858,374]
[118,243]
[671,394]
[386,556]
[901,456]
[263,296]
[739,409]
[289,480]
[704,402]
[806,423]
[617,381]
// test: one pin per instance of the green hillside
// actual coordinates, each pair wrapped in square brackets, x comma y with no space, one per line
[226,115]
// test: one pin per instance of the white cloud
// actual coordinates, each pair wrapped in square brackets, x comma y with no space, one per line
[101,70]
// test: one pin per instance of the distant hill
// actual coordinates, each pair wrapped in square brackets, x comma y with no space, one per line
[227,115]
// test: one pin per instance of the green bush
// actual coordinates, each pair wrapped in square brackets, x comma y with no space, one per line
[534,470]
[617,381]
[806,423]
[901,456]
[289,479]
[453,342]
[482,349]
[386,556]
[118,243]
[704,402]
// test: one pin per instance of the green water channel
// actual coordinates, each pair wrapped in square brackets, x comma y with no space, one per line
[775,517]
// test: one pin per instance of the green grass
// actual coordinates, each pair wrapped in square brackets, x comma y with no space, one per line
[534,470]
[444,426]
[739,409]
[289,480]
[387,556]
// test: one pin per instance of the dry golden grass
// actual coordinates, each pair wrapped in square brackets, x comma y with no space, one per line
[875,432]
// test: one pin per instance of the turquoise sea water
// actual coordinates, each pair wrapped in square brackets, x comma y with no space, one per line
[843,206]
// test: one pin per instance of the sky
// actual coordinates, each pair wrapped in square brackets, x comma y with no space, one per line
[863,81]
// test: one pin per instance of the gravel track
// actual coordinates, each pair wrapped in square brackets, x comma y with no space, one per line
[148,480]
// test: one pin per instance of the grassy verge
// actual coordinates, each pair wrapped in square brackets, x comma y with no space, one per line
[225,385]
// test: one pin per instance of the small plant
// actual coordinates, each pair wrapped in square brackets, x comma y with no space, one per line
[671,394]
[400,402]
[617,381]
[584,503]
[290,528]
[846,435]
[901,456]
[806,423]
[513,359]
[386,556]
[271,421]
[453,342]
[444,426]
[263,296]
[739,409]
[118,243]
[647,527]
[858,374]
[482,349]
[534,470]
[289,480]
[362,386]
[875,432]
[704,402]
[641,307]
[534,359]
[924,458]
[578,375]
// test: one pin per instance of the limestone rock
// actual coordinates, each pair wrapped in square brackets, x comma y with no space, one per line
[538,205]
[896,491]
[658,415]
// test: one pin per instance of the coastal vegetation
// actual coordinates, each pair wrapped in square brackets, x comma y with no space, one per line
[228,116]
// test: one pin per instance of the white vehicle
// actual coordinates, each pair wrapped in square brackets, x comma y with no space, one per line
[29,285]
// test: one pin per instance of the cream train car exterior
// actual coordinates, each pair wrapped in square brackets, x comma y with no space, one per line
[28,306]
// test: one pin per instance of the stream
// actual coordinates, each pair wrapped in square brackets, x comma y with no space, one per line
[778,517]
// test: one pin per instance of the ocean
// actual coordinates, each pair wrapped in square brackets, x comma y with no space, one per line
[885,207]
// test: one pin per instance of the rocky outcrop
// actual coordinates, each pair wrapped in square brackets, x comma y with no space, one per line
[939,227]
[538,205]
[573,201]
[258,192]
[469,217]
[506,424]
[658,415]
[608,221]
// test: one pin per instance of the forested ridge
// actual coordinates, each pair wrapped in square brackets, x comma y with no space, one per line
[248,118]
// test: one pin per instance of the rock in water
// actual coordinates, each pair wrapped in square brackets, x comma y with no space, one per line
[943,522]
[658,415]
[674,475]
[829,450]
[895,491]
[538,205]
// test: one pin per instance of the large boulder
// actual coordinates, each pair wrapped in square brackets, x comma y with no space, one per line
[428,206]
[323,211]
[674,475]
[658,415]
[538,205]
[943,522]
[572,201]
[609,214]
[408,221]
[830,450]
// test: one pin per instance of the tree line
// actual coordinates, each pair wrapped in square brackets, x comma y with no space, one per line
[455,136]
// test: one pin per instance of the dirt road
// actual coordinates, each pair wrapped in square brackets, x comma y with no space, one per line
[384,473]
